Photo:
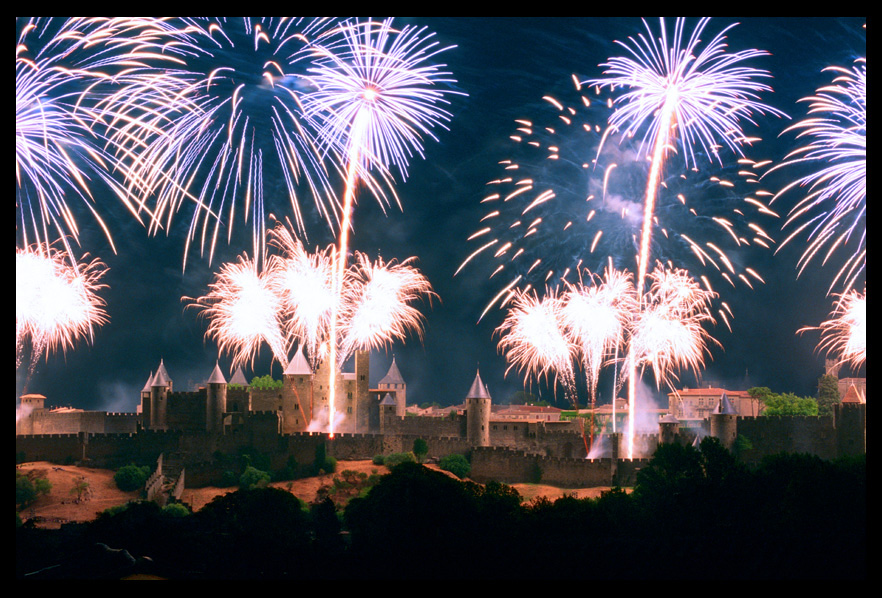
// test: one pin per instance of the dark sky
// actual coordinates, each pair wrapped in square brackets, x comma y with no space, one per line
[505,65]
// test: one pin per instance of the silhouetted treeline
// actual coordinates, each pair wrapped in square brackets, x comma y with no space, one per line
[694,514]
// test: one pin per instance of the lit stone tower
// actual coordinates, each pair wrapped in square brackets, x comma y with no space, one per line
[215,401]
[723,422]
[362,386]
[159,390]
[393,381]
[297,394]
[478,413]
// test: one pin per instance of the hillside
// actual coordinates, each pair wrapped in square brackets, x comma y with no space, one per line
[61,505]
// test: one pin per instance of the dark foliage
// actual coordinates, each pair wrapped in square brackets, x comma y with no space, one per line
[694,514]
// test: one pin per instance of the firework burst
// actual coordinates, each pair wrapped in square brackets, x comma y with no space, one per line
[56,303]
[243,312]
[834,209]
[289,303]
[376,97]
[63,68]
[226,125]
[844,335]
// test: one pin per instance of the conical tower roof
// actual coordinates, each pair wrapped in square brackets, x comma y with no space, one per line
[852,395]
[725,406]
[149,383]
[239,377]
[393,376]
[161,378]
[298,366]
[478,390]
[387,400]
[216,376]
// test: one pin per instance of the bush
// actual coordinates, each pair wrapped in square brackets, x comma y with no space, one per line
[254,478]
[27,490]
[175,509]
[379,460]
[131,477]
[458,465]
[394,459]
[420,449]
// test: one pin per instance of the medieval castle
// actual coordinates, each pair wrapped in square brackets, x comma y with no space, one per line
[510,445]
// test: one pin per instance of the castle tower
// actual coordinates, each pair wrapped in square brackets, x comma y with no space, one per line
[668,429]
[159,391]
[145,402]
[388,411]
[215,401]
[724,422]
[394,382]
[478,413]
[362,390]
[297,394]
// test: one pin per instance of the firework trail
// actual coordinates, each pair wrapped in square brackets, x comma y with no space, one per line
[376,97]
[834,208]
[595,319]
[56,303]
[227,123]
[63,68]
[845,333]
[680,93]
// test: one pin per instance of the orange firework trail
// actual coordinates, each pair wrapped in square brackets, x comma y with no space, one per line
[375,99]
[697,95]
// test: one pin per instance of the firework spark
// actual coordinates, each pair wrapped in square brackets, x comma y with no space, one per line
[375,99]
[668,333]
[845,333]
[62,68]
[56,303]
[243,312]
[834,209]
[289,303]
[679,92]
[227,123]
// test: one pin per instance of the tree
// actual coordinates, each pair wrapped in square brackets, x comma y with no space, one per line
[254,478]
[783,404]
[131,477]
[790,404]
[828,394]
[265,383]
[458,465]
[27,490]
[81,486]
[420,449]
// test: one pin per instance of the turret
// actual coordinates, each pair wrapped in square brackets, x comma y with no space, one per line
[478,413]
[215,401]
[297,394]
[668,429]
[387,413]
[724,422]
[394,382]
[160,387]
[146,411]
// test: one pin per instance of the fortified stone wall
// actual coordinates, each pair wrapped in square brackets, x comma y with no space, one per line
[792,434]
[510,467]
[426,426]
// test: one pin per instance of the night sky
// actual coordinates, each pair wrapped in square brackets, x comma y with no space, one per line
[505,65]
